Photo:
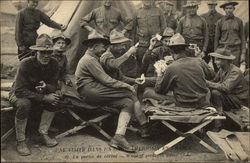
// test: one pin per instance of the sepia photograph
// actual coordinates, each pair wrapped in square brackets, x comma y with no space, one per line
[124,81]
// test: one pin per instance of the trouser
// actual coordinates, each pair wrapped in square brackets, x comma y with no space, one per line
[210,49]
[225,102]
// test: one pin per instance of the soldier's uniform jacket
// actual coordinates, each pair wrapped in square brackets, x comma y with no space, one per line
[230,32]
[148,22]
[194,29]
[30,73]
[171,21]
[211,19]
[27,22]
[105,20]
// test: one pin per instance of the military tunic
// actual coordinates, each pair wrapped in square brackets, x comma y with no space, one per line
[105,19]
[229,33]
[27,22]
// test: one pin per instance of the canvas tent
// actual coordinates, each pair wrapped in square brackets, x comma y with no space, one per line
[69,13]
[8,13]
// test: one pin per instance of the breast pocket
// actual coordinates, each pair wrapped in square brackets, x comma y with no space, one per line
[142,21]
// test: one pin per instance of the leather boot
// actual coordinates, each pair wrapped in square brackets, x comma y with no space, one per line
[22,147]
[45,123]
[120,142]
[144,130]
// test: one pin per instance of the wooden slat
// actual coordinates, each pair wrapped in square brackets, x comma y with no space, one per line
[6,86]
[7,134]
[4,95]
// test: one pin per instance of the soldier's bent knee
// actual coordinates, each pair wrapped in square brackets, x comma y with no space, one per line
[23,107]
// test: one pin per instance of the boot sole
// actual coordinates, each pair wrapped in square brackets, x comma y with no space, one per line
[120,148]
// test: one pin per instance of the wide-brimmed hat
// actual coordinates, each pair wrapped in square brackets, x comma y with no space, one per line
[43,43]
[61,36]
[228,3]
[117,37]
[191,4]
[177,40]
[168,32]
[94,36]
[169,3]
[212,2]
[222,53]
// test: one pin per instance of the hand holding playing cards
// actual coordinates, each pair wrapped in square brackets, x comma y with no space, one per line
[41,87]
[140,80]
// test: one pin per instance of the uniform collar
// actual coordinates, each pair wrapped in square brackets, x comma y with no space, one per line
[229,17]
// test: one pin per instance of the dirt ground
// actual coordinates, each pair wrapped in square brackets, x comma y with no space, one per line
[90,146]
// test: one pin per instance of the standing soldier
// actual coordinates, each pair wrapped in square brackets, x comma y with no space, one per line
[27,22]
[149,21]
[211,17]
[170,16]
[194,28]
[106,18]
[229,33]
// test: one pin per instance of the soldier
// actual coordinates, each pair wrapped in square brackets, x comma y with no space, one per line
[149,21]
[211,17]
[27,22]
[35,86]
[170,17]
[98,88]
[186,77]
[194,28]
[154,54]
[60,45]
[228,91]
[229,33]
[106,18]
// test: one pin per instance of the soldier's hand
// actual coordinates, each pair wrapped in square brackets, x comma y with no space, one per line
[22,48]
[132,50]
[68,82]
[41,87]
[202,54]
[63,27]
[152,43]
[51,98]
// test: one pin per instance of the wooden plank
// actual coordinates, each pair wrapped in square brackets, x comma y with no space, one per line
[7,109]
[99,129]
[7,134]
[6,86]
[234,143]
[229,153]
[4,95]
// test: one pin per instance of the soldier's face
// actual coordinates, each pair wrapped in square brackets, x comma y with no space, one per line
[32,4]
[165,41]
[147,3]
[192,10]
[107,3]
[168,7]
[211,7]
[229,9]
[221,63]
[120,48]
[60,45]
[44,57]
[99,49]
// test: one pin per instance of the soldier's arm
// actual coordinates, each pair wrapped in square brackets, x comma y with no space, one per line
[22,85]
[19,30]
[179,26]
[52,83]
[45,19]
[206,35]
[84,22]
[243,42]
[217,34]
[162,21]
[164,83]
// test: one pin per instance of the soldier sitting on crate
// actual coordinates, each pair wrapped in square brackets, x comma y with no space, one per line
[35,87]
[229,89]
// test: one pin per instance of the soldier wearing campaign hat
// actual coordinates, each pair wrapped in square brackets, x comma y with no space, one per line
[211,17]
[229,33]
[193,27]
[228,91]
[35,87]
[27,22]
